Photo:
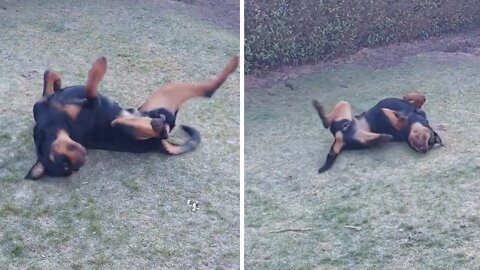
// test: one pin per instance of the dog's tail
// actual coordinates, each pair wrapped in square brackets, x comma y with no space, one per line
[188,146]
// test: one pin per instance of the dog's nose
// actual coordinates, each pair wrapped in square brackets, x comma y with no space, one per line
[422,149]
[79,162]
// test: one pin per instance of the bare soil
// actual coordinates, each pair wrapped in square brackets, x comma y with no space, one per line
[225,14]
[377,58]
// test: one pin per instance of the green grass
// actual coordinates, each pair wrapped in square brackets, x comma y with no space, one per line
[120,210]
[415,211]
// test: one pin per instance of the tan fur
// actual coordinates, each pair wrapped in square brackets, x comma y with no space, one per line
[398,122]
[172,96]
[95,76]
[338,145]
[419,136]
[173,149]
[52,82]
[341,111]
[60,147]
[140,124]
[70,109]
[415,99]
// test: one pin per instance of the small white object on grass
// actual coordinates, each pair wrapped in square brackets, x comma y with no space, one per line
[193,204]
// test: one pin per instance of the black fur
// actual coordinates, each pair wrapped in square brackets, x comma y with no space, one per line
[378,123]
[91,128]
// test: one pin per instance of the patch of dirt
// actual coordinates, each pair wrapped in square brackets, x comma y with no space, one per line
[382,57]
[225,14]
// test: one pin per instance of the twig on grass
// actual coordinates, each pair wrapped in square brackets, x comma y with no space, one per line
[292,230]
[356,228]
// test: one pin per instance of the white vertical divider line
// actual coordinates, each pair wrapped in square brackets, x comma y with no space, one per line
[242,135]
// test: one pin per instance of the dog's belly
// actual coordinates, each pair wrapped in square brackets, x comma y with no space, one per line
[93,129]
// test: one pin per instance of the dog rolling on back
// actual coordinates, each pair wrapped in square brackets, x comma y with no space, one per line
[72,119]
[391,119]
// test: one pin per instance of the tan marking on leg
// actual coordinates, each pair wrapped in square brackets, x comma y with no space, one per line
[415,99]
[338,145]
[95,76]
[397,121]
[51,82]
[341,111]
[173,95]
[173,149]
[141,125]
[365,136]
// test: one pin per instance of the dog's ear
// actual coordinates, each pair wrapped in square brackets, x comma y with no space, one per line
[437,139]
[36,172]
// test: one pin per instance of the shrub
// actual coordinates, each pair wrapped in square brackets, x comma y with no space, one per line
[293,32]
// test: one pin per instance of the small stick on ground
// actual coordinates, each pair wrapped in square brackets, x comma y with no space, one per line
[356,228]
[292,230]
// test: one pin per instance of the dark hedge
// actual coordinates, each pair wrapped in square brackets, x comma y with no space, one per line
[292,32]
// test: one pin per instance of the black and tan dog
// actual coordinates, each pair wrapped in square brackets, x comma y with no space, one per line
[72,119]
[391,119]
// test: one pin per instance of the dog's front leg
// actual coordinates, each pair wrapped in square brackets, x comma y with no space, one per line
[335,150]
[142,127]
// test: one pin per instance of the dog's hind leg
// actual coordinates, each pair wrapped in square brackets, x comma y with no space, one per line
[95,76]
[341,111]
[172,96]
[51,83]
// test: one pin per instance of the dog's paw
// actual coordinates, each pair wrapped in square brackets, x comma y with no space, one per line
[322,170]
[384,138]
[160,127]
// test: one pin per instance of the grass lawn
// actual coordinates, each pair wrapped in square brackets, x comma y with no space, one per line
[408,210]
[120,210]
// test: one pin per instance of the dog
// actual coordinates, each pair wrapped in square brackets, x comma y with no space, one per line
[72,119]
[391,119]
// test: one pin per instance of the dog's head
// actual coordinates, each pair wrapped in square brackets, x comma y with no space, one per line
[421,137]
[57,153]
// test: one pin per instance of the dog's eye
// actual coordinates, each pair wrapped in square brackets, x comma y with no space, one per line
[346,125]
